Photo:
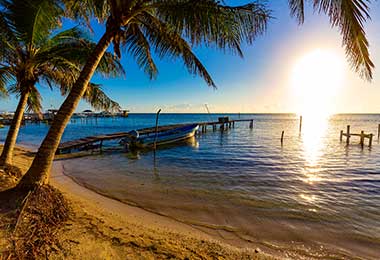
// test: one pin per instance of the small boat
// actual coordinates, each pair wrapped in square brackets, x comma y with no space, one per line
[165,137]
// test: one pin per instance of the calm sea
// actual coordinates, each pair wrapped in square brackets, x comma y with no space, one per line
[312,195]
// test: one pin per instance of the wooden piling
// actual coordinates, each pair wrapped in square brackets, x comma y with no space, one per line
[341,135]
[378,132]
[370,140]
[156,130]
[251,124]
[300,127]
[348,135]
[362,138]
[282,137]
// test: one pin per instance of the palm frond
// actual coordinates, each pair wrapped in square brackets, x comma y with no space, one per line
[99,100]
[297,9]
[210,23]
[6,32]
[166,42]
[134,42]
[349,16]
[32,20]
[84,10]
[74,34]
[34,102]
[6,78]
[8,41]
[68,50]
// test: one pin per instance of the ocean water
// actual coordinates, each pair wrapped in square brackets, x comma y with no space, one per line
[312,196]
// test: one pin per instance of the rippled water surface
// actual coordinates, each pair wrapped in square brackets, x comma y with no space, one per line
[243,185]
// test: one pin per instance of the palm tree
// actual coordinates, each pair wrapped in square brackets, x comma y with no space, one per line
[55,60]
[171,28]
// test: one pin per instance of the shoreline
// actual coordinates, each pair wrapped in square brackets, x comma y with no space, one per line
[115,213]
[101,227]
[122,212]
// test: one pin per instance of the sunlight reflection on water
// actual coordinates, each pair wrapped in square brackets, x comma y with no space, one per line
[314,130]
[313,136]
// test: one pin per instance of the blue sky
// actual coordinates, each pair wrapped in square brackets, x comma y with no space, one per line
[257,83]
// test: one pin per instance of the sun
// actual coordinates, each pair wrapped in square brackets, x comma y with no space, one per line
[317,78]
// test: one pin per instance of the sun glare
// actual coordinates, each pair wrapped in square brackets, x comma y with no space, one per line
[316,80]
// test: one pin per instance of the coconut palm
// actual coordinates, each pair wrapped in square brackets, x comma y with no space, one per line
[170,28]
[41,58]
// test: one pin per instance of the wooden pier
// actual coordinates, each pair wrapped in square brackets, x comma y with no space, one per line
[96,142]
[362,136]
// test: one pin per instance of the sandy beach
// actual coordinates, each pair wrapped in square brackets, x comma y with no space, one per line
[103,228]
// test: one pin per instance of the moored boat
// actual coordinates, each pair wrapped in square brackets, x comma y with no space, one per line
[164,137]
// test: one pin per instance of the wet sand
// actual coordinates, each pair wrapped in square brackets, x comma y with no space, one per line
[120,230]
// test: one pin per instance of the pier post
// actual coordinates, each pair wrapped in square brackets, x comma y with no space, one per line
[222,127]
[101,146]
[300,128]
[230,125]
[378,133]
[362,138]
[370,140]
[233,124]
[282,137]
[156,130]
[251,124]
[348,135]
[341,135]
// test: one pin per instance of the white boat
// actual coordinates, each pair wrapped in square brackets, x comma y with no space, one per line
[164,137]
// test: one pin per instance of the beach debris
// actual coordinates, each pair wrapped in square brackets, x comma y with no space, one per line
[42,213]
[11,170]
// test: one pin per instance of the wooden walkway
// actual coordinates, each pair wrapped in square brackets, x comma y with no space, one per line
[92,142]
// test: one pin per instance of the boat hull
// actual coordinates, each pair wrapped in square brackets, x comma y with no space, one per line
[167,137]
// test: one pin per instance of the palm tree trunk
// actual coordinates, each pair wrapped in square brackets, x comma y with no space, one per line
[39,172]
[10,141]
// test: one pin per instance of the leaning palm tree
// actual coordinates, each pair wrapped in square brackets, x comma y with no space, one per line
[42,58]
[170,28]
